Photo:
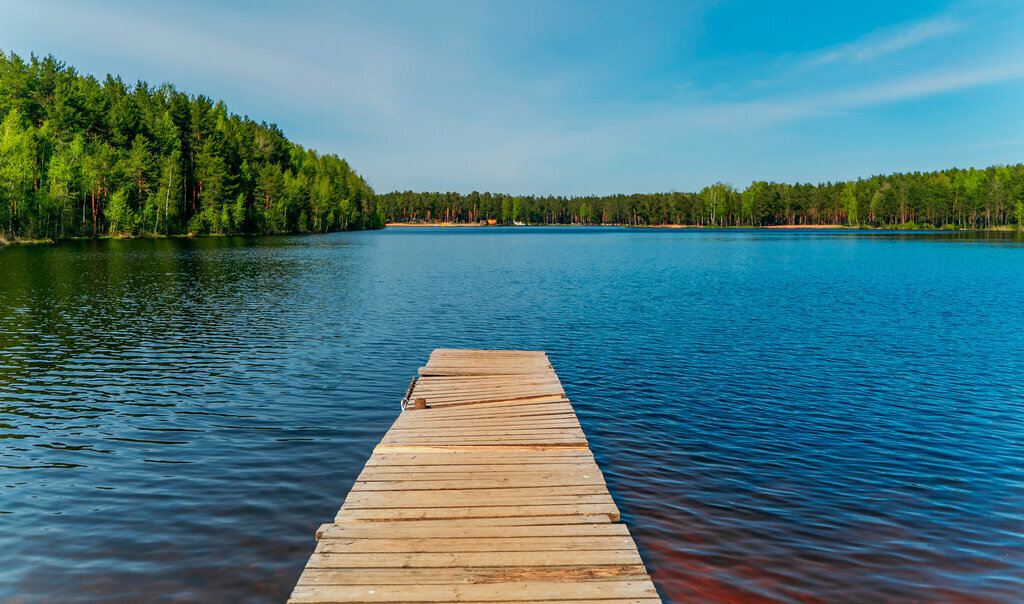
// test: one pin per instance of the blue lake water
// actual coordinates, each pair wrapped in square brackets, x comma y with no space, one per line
[781,416]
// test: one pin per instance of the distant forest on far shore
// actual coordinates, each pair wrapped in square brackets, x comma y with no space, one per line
[961,199]
[81,157]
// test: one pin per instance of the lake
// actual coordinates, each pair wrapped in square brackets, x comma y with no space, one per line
[781,416]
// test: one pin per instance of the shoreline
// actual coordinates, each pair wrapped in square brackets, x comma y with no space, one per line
[12,242]
[800,227]
[780,227]
[5,242]
[437,224]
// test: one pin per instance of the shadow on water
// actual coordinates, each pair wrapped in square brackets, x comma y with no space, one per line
[783,417]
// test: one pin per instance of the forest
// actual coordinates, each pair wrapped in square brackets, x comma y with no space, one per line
[81,157]
[951,199]
[85,158]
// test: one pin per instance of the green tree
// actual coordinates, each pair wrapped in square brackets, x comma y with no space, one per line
[215,187]
[64,177]
[883,204]
[848,203]
[716,200]
[17,168]
[756,203]
[506,211]
[122,218]
[586,213]
[141,167]
[98,166]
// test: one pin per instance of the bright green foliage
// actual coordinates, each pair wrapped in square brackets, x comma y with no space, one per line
[848,203]
[717,201]
[64,178]
[79,156]
[964,199]
[757,202]
[586,213]
[17,171]
[120,216]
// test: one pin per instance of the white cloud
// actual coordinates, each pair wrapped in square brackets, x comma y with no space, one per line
[769,111]
[364,80]
[881,43]
[927,84]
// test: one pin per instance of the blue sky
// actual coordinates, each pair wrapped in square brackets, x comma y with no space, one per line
[579,97]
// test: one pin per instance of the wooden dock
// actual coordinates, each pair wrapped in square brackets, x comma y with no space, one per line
[488,494]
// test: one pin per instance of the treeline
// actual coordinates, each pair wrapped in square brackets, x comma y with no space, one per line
[967,199]
[80,157]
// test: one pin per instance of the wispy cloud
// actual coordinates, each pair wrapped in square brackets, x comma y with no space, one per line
[882,43]
[769,111]
[364,81]
[930,83]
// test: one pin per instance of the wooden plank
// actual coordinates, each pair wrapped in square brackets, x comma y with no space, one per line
[490,494]
[485,396]
[590,510]
[491,401]
[466,468]
[528,417]
[460,500]
[544,410]
[455,530]
[484,497]
[489,592]
[557,404]
[477,575]
[501,443]
[387,524]
[456,383]
[515,445]
[405,484]
[494,435]
[471,473]
[556,424]
[581,446]
[533,434]
[489,386]
[454,440]
[490,352]
[445,390]
[473,457]
[452,457]
[505,409]
[503,477]
[454,371]
[473,559]
[439,386]
[470,468]
[347,545]
[470,457]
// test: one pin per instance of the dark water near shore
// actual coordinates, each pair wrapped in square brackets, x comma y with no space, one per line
[793,417]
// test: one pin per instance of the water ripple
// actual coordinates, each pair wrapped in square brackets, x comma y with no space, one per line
[819,417]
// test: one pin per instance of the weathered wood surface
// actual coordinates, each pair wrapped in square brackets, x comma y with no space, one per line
[490,494]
